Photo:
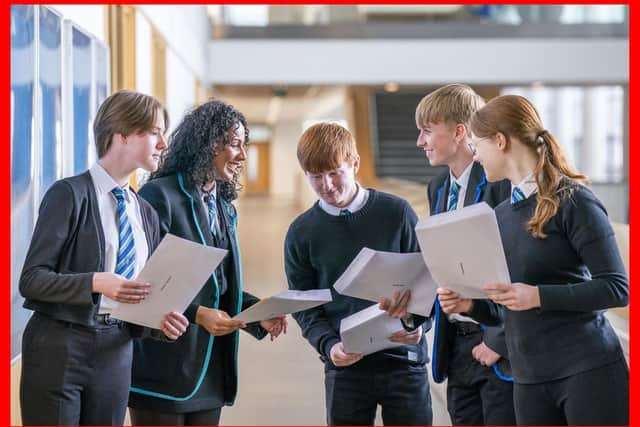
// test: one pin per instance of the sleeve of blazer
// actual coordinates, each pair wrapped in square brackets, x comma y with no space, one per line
[494,339]
[40,280]
[252,328]
[487,312]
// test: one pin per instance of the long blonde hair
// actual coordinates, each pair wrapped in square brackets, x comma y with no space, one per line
[515,117]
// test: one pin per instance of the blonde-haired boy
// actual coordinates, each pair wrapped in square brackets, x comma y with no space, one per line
[471,356]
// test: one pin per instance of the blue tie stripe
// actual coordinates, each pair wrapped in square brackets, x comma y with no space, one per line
[344,212]
[517,195]
[211,206]
[126,257]
[453,196]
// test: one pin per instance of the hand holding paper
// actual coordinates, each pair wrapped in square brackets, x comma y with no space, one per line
[398,305]
[177,270]
[275,326]
[217,322]
[369,330]
[174,325]
[514,296]
[340,357]
[405,337]
[120,289]
[375,274]
[452,302]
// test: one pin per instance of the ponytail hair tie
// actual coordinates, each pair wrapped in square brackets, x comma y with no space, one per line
[540,136]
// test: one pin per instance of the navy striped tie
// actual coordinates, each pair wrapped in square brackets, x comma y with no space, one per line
[517,195]
[211,207]
[344,212]
[126,259]
[453,196]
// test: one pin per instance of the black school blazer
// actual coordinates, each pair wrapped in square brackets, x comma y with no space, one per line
[175,371]
[67,248]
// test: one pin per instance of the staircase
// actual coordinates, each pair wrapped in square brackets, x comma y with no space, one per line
[395,134]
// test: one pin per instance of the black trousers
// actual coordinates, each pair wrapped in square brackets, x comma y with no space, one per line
[74,375]
[143,417]
[475,394]
[353,394]
[596,397]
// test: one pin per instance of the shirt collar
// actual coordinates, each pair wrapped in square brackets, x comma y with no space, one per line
[104,183]
[528,186]
[463,180]
[356,204]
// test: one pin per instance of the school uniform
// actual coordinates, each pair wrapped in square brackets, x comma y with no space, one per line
[199,371]
[76,360]
[567,362]
[319,245]
[476,394]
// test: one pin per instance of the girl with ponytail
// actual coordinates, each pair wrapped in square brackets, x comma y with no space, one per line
[568,366]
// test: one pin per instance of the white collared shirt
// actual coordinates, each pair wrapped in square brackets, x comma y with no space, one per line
[107,204]
[528,186]
[362,195]
[463,182]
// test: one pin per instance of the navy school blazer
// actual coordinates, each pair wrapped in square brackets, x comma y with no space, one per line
[479,190]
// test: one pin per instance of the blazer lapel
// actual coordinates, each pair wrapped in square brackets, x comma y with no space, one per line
[201,216]
[444,197]
[475,178]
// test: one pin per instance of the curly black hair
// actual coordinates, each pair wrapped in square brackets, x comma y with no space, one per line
[192,147]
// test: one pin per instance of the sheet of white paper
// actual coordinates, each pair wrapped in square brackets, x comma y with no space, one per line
[463,249]
[177,270]
[368,331]
[374,274]
[286,302]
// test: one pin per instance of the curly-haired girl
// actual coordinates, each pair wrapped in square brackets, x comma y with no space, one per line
[188,382]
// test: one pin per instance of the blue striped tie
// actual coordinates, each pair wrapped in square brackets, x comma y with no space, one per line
[344,212]
[126,259]
[453,196]
[211,206]
[517,195]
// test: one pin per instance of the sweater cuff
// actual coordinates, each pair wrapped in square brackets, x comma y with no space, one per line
[553,297]
[480,312]
[190,313]
[328,345]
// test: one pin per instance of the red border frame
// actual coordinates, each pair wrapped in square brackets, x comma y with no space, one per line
[5,171]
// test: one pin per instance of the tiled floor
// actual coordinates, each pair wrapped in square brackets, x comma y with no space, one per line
[281,382]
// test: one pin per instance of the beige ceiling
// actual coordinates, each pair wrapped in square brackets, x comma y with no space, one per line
[255,102]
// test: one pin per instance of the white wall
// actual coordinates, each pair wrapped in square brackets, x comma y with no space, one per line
[180,89]
[473,61]
[186,30]
[143,53]
[90,17]
[287,179]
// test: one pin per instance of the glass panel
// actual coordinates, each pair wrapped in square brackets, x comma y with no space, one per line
[22,209]
[273,15]
[100,85]
[81,54]
[588,123]
[50,75]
